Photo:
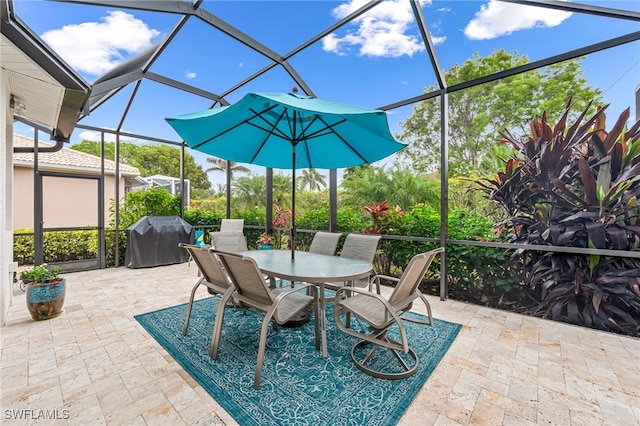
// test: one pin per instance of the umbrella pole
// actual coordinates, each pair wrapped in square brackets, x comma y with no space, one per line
[293,203]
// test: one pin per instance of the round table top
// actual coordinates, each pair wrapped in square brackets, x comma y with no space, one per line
[309,267]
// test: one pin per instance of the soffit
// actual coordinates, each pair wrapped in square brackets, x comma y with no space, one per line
[38,97]
[45,90]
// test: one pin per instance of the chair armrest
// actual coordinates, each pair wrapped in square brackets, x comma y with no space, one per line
[337,298]
[297,288]
[283,294]
[376,279]
[386,277]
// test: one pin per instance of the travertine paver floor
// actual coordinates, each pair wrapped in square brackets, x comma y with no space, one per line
[95,365]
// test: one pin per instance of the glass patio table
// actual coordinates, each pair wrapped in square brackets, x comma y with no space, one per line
[311,268]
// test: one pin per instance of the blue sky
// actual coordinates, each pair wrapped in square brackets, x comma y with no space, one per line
[375,61]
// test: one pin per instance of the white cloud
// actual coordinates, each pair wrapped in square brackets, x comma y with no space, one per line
[498,18]
[381,32]
[190,75]
[90,135]
[96,47]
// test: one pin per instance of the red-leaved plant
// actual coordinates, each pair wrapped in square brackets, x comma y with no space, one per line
[576,186]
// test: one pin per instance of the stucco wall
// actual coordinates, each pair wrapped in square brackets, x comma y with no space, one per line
[6,195]
[67,202]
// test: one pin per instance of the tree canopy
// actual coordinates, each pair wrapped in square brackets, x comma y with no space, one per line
[220,165]
[153,159]
[312,179]
[478,114]
[401,186]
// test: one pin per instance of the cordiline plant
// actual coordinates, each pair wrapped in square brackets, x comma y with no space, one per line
[576,186]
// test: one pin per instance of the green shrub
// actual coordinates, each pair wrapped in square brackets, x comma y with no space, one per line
[151,202]
[201,217]
[58,246]
[23,248]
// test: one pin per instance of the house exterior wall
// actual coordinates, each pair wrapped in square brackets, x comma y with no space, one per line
[6,196]
[67,202]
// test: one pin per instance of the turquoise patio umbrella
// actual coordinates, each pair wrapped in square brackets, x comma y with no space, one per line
[289,131]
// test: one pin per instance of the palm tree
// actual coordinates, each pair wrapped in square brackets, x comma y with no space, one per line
[220,165]
[282,190]
[313,179]
[249,191]
[398,186]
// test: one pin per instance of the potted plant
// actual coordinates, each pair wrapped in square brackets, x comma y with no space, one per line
[45,291]
[265,242]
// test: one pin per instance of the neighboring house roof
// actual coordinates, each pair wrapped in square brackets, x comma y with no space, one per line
[67,159]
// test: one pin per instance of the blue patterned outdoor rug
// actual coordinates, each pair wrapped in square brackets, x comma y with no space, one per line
[298,386]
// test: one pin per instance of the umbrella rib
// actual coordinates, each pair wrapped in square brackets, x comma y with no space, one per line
[304,139]
[269,133]
[270,126]
[330,128]
[293,123]
[256,114]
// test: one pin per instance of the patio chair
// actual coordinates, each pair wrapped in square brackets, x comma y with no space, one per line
[229,225]
[211,276]
[325,243]
[379,315]
[232,225]
[252,291]
[233,241]
[359,247]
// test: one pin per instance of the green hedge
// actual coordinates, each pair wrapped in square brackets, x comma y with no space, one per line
[58,246]
[474,273]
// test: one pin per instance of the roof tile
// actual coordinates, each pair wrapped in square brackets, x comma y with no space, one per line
[67,157]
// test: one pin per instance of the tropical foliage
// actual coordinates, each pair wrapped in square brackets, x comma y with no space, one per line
[399,186]
[281,222]
[576,185]
[312,179]
[220,165]
[477,113]
[153,159]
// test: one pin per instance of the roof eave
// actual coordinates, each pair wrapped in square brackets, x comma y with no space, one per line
[75,90]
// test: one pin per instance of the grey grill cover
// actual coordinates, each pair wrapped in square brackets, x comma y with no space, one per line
[153,241]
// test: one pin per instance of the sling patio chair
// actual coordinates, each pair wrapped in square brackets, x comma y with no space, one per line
[211,276]
[359,247]
[229,225]
[325,243]
[377,316]
[232,225]
[232,242]
[252,291]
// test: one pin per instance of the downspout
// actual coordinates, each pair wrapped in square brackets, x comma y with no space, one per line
[59,143]
[30,150]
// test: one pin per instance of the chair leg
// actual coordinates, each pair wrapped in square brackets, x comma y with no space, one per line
[426,303]
[406,366]
[316,321]
[261,349]
[189,307]
[217,327]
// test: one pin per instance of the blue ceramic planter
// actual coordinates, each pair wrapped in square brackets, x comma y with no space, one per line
[45,301]
[265,247]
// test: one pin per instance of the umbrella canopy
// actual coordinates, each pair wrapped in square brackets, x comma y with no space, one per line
[289,131]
